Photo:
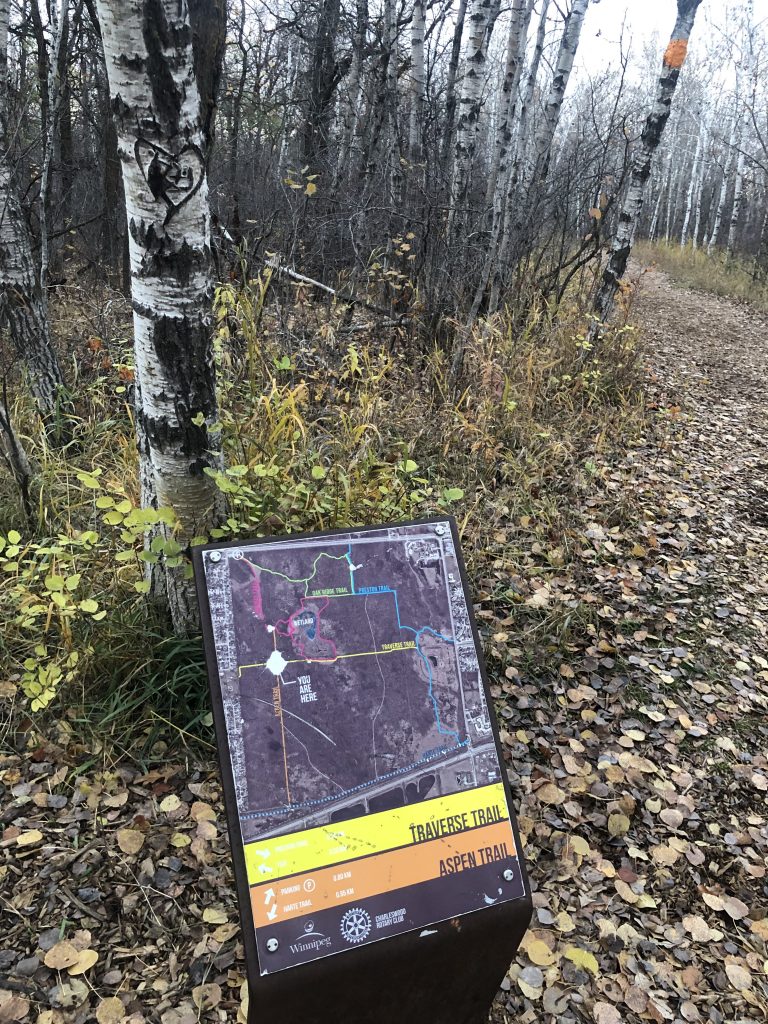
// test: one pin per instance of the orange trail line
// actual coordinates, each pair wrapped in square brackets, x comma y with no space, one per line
[285,752]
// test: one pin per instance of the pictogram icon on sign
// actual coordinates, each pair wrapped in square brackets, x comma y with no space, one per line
[355,925]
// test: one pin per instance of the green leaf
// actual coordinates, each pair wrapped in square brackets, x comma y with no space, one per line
[14,537]
[318,472]
[142,587]
[73,582]
[89,480]
[453,494]
[410,466]
[199,420]
[89,606]
[54,583]
[104,501]
[113,518]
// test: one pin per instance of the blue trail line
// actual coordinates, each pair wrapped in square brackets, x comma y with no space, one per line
[417,633]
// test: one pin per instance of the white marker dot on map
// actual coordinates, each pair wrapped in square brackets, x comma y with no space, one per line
[276,663]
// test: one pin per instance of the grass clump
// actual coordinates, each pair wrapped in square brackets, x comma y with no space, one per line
[732,277]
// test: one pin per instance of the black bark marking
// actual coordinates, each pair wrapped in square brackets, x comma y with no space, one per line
[178,342]
[172,177]
[159,36]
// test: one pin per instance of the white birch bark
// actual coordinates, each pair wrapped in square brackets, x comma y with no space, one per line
[395,176]
[674,58]
[352,102]
[697,156]
[418,82]
[715,234]
[738,193]
[482,17]
[523,198]
[156,106]
[510,86]
[22,307]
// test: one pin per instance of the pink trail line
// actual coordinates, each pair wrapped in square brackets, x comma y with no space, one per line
[300,647]
[256,600]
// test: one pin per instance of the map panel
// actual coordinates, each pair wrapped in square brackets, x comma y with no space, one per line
[366,775]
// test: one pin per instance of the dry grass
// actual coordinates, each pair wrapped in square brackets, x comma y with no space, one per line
[733,278]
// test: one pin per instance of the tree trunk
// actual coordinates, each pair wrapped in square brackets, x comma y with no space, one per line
[674,58]
[450,86]
[352,115]
[237,115]
[712,242]
[323,79]
[522,213]
[418,83]
[22,307]
[697,157]
[738,192]
[510,84]
[163,145]
[395,169]
[482,19]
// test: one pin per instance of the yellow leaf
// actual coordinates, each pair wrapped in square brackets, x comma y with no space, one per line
[539,953]
[213,915]
[28,838]
[310,189]
[85,961]
[178,839]
[582,958]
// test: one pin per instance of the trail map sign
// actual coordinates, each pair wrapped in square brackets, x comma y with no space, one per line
[356,736]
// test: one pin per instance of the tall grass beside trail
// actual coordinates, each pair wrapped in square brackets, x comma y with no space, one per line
[328,420]
[734,277]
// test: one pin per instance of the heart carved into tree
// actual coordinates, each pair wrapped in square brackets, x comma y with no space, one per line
[172,177]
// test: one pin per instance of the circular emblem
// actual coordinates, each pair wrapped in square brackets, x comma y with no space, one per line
[355,925]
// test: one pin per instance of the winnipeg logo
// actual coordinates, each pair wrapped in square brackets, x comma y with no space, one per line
[310,939]
[356,925]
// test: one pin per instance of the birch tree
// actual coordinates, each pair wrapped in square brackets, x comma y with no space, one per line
[725,182]
[482,17]
[418,83]
[524,197]
[163,149]
[22,303]
[672,62]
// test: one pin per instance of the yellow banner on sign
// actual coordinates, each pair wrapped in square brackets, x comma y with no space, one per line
[272,859]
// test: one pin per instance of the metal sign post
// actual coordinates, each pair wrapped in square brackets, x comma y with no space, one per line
[376,854]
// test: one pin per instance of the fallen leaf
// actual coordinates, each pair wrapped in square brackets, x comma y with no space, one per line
[582,958]
[61,956]
[110,1011]
[130,840]
[85,961]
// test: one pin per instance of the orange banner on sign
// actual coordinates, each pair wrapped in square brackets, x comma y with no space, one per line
[314,891]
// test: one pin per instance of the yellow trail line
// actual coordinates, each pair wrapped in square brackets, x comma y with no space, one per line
[329,661]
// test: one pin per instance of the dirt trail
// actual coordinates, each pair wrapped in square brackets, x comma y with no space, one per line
[642,787]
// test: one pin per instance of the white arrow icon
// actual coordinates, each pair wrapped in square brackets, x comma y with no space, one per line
[269,895]
[272,912]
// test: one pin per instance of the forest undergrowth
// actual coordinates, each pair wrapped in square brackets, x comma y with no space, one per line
[327,421]
[612,511]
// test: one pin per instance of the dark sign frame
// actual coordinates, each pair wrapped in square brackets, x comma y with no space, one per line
[483,934]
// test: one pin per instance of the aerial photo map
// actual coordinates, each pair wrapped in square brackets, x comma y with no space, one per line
[366,775]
